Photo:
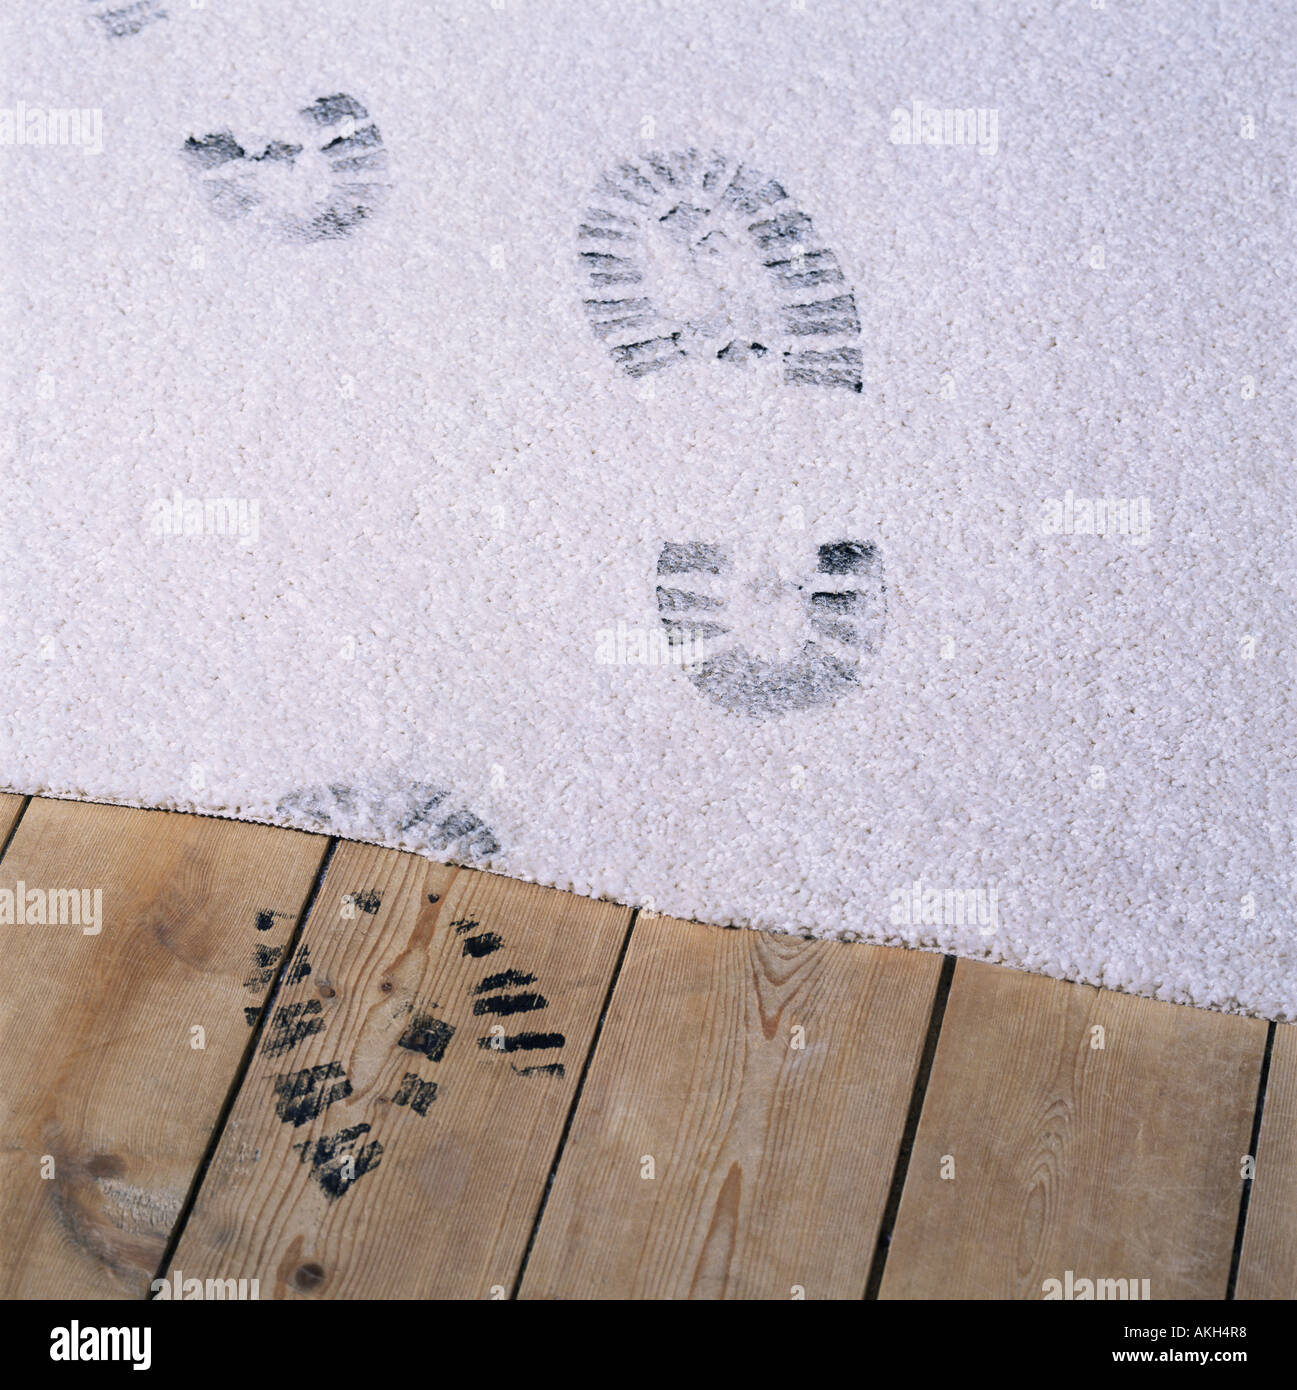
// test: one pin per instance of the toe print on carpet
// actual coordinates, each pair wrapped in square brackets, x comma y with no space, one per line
[122,20]
[317,182]
[694,257]
[779,629]
[418,814]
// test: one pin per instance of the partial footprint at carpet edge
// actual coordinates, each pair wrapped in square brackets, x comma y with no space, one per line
[124,21]
[388,809]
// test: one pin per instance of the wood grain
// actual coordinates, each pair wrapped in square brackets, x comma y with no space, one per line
[100,1081]
[1268,1268]
[11,805]
[770,1161]
[1119,1162]
[375,1058]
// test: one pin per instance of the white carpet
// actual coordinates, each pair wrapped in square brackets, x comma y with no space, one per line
[816,466]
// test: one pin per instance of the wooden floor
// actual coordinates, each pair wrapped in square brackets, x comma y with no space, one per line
[350,1073]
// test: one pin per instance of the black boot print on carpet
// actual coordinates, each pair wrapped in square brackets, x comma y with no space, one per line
[775,633]
[317,184]
[693,256]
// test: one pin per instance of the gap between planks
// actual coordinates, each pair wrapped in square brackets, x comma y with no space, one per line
[740,1125]
[1072,1129]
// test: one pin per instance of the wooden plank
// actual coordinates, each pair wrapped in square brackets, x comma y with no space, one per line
[1113,1162]
[1268,1268]
[377,1148]
[106,1100]
[11,805]
[770,1160]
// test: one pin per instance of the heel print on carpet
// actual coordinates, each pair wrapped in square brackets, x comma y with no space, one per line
[318,183]
[420,815]
[693,257]
[776,634]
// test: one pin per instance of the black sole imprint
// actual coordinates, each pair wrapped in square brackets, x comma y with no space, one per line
[302,1095]
[774,639]
[319,184]
[691,256]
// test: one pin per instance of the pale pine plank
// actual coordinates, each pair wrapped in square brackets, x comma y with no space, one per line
[1268,1268]
[97,1070]
[771,1164]
[1123,1162]
[443,1189]
[11,805]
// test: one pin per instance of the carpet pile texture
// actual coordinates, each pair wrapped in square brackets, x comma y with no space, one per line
[817,466]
